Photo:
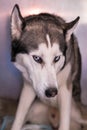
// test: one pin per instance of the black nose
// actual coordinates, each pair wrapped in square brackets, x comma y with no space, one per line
[51,92]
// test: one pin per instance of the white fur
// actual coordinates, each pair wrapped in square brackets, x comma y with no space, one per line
[26,99]
[48,41]
[38,113]
[63,75]
[65,108]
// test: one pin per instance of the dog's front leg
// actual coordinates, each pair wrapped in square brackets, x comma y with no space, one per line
[65,107]
[26,99]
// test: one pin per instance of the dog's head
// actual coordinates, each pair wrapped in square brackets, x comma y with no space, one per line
[39,47]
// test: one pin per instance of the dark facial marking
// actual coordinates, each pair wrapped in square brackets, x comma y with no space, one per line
[17,47]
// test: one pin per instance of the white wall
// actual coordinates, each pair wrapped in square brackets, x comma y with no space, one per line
[10,78]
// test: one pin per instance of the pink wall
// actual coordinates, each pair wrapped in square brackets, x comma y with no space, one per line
[10,78]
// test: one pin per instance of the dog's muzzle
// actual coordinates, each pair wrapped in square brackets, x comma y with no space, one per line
[51,92]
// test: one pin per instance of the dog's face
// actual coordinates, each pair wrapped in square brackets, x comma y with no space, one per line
[39,45]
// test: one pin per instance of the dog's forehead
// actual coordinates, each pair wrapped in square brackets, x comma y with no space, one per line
[37,33]
[52,47]
[48,50]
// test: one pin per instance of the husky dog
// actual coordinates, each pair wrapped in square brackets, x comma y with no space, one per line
[46,51]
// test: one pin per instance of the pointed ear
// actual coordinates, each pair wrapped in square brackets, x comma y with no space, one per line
[69,28]
[16,22]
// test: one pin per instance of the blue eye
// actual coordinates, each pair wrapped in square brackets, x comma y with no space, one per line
[38,59]
[56,59]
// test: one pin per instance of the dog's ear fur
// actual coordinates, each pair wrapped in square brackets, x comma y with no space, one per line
[69,28]
[16,22]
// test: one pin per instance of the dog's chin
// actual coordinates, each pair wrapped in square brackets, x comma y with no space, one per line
[51,101]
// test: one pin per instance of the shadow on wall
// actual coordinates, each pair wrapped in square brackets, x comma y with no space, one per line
[10,77]
[82,35]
